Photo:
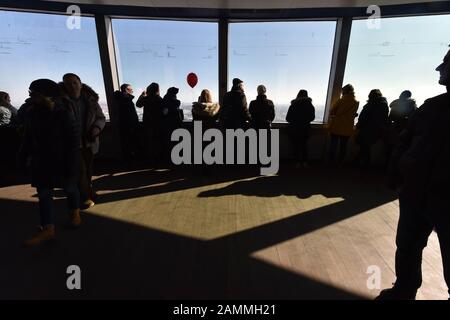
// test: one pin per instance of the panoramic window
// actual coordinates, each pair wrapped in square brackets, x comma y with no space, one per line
[35,45]
[166,52]
[401,55]
[285,57]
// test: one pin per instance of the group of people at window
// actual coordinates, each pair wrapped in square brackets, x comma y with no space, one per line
[377,121]
[60,123]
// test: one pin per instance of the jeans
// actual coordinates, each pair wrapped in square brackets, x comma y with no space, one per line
[46,209]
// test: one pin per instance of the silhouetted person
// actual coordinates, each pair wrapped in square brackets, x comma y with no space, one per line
[234,112]
[172,119]
[8,134]
[91,120]
[372,124]
[128,122]
[22,113]
[401,109]
[52,143]
[341,122]
[262,110]
[420,168]
[152,103]
[300,114]
[8,113]
[205,110]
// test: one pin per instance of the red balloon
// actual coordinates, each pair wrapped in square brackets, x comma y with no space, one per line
[192,79]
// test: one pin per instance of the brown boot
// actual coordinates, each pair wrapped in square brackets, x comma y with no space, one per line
[75,218]
[42,235]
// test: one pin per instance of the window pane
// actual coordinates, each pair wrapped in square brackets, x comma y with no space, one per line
[285,57]
[401,55]
[166,52]
[35,45]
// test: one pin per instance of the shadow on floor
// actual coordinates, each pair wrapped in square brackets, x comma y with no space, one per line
[123,260]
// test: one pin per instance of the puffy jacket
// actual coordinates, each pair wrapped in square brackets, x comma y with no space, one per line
[52,141]
[94,116]
[342,116]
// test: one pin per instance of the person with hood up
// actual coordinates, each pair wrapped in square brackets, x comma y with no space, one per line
[172,119]
[152,103]
[300,114]
[128,122]
[371,126]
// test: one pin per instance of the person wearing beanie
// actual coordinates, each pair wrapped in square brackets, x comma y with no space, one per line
[300,114]
[234,113]
[262,110]
[172,119]
[51,145]
[152,103]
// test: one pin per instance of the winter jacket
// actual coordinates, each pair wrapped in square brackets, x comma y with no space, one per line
[300,114]
[207,112]
[172,114]
[8,115]
[234,112]
[52,141]
[94,116]
[22,113]
[420,164]
[5,116]
[401,110]
[342,116]
[262,112]
[128,118]
[372,121]
[153,109]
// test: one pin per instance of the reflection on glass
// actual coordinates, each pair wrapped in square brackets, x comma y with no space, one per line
[166,52]
[285,57]
[34,45]
[401,55]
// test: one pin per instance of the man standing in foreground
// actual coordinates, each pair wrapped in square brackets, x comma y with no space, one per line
[420,167]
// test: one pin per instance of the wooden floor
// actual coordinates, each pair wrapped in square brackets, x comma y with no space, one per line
[170,234]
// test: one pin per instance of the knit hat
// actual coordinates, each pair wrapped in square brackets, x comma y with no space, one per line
[237,81]
[173,90]
[46,87]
